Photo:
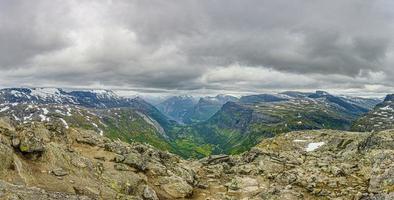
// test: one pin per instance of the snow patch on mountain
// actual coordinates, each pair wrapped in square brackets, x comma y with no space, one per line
[313,146]
[64,123]
[4,109]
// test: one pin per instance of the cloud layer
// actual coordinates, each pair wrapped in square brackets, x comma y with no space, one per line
[199,45]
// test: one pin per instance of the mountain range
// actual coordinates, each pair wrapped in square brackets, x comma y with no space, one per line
[186,125]
[93,144]
[238,126]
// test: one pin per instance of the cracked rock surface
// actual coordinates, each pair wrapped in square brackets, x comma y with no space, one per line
[39,163]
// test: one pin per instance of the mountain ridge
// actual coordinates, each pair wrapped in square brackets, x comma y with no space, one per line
[228,125]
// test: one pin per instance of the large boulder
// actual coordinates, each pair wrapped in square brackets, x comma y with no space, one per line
[176,187]
[6,128]
[31,141]
[6,158]
[136,161]
[149,194]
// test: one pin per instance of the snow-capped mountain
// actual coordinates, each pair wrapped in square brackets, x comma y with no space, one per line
[101,111]
[48,98]
[86,98]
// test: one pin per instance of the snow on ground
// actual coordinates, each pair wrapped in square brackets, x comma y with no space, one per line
[299,140]
[95,125]
[102,123]
[100,131]
[69,111]
[45,110]
[64,122]
[28,118]
[313,146]
[59,112]
[44,93]
[44,118]
[4,109]
[16,118]
[17,93]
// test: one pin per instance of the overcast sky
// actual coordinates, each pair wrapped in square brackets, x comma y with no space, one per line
[201,46]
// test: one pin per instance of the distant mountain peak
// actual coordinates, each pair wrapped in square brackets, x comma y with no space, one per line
[389,97]
[263,98]
[321,92]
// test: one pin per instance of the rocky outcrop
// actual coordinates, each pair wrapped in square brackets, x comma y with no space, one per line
[80,164]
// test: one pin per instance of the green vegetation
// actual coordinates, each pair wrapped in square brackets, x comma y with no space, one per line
[237,128]
[234,129]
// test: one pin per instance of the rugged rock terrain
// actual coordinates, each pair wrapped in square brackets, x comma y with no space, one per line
[45,161]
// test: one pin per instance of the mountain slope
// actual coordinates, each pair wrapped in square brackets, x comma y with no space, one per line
[239,126]
[101,111]
[176,107]
[206,108]
[86,98]
[234,128]
[262,98]
[187,110]
[380,118]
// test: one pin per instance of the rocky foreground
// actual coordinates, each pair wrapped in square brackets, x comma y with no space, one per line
[45,161]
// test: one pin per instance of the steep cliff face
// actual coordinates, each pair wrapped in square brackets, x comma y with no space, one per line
[43,161]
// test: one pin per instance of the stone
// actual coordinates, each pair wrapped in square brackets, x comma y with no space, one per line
[59,172]
[80,162]
[119,158]
[134,160]
[29,142]
[177,187]
[6,158]
[121,167]
[149,194]
[102,158]
[87,191]
[216,159]
[16,142]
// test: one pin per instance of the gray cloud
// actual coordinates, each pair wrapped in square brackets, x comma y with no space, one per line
[216,45]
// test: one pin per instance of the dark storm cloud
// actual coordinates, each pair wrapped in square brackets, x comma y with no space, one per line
[198,45]
[23,34]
